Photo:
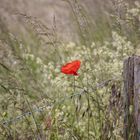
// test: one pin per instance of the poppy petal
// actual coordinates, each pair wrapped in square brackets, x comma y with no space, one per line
[71,68]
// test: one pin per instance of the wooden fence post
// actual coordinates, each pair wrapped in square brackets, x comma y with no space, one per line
[131,75]
[137,95]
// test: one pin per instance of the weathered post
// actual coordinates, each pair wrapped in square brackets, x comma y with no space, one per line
[131,75]
[137,95]
[128,74]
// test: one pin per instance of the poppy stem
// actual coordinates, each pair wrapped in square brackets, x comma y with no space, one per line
[74,88]
[74,84]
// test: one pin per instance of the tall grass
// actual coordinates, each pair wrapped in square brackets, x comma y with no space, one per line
[39,102]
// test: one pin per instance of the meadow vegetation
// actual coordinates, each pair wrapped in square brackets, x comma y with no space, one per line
[38,102]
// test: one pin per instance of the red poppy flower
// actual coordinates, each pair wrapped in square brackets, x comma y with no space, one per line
[71,68]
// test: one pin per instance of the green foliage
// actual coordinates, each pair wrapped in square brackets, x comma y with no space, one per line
[85,107]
